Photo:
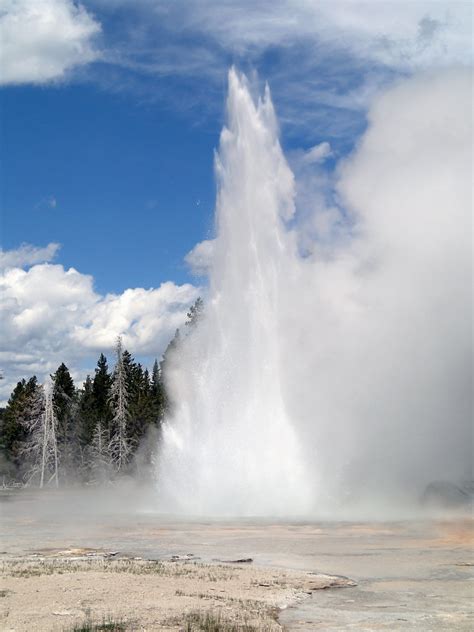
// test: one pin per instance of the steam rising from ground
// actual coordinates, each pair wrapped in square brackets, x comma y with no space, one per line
[313,382]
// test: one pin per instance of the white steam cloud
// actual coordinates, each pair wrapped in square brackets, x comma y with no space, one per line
[383,342]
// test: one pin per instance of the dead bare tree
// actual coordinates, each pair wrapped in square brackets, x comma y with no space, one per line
[49,455]
[40,447]
[100,453]
[120,448]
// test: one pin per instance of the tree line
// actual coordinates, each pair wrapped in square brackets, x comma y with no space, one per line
[56,434]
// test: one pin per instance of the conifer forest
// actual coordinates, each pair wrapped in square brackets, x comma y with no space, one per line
[57,434]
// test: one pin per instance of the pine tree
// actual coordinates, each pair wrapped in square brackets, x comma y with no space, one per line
[134,373]
[157,394]
[146,381]
[155,379]
[98,450]
[101,391]
[87,412]
[120,447]
[170,352]
[87,422]
[13,427]
[63,394]
[141,406]
[65,408]
[134,382]
[195,313]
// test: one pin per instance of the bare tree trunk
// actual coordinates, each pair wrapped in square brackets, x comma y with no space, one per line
[119,445]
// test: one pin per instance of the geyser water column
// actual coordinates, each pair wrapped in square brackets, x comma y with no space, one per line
[229,447]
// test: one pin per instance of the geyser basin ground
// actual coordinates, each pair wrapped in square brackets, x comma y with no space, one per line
[411,575]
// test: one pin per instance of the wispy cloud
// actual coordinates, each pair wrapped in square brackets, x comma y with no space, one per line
[395,34]
[325,61]
[47,202]
[27,255]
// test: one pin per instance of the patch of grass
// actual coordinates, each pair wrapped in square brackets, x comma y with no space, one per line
[49,566]
[25,569]
[108,625]
[214,622]
[216,573]
[5,593]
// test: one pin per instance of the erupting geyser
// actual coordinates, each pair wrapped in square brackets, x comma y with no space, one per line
[343,376]
[231,447]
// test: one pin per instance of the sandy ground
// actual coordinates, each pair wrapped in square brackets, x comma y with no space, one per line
[56,590]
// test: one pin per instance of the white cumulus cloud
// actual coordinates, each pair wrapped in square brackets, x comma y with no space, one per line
[318,153]
[41,40]
[199,259]
[50,314]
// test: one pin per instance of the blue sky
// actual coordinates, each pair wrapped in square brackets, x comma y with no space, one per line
[111,111]
[114,161]
[104,178]
[123,180]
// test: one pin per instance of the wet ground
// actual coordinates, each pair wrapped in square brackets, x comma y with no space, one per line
[411,575]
